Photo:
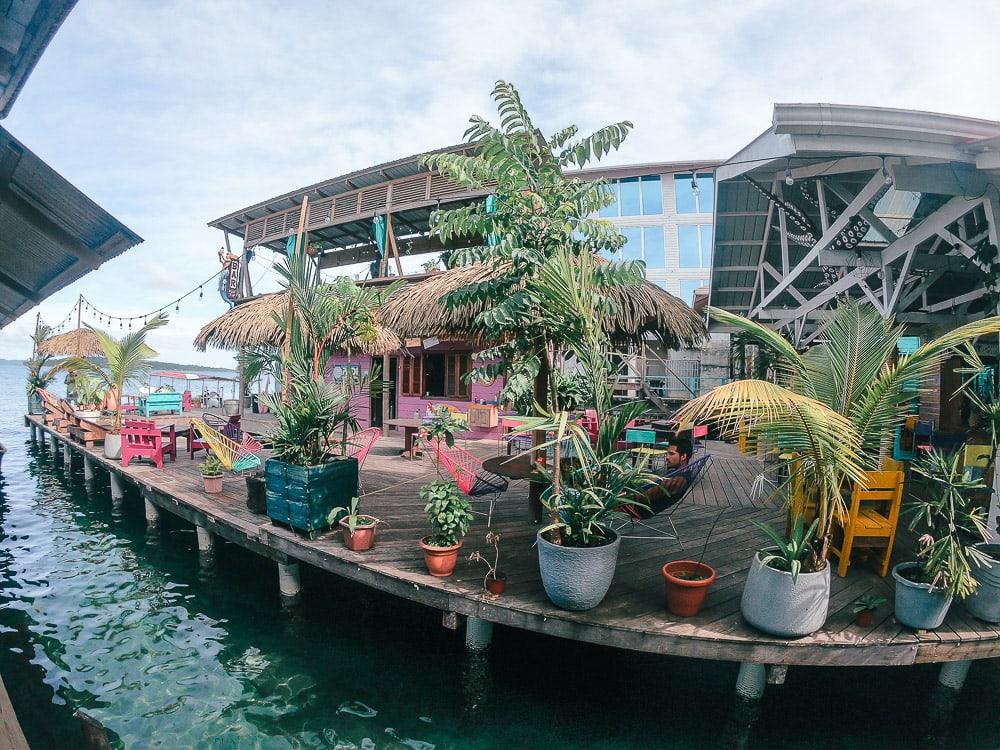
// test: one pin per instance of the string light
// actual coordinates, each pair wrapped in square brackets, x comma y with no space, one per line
[694,185]
[789,180]
[886,177]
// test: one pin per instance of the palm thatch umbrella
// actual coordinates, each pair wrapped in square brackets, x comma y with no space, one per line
[252,324]
[414,311]
[80,342]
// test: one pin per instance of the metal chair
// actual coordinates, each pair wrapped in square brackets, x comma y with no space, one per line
[635,516]
[234,456]
[467,470]
[646,445]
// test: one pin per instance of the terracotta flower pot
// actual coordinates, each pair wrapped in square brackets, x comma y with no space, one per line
[363,537]
[213,485]
[686,595]
[864,618]
[497,585]
[440,561]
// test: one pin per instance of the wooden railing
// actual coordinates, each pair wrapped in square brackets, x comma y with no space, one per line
[395,195]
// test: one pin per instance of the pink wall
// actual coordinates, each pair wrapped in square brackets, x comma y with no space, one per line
[407,405]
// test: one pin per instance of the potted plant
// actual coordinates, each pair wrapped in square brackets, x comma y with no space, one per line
[89,394]
[449,516]
[36,379]
[211,472]
[357,528]
[687,581]
[784,594]
[943,510]
[127,359]
[494,581]
[256,492]
[864,609]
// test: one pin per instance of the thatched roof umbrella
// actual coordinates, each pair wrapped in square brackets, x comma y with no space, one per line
[252,324]
[80,342]
[644,309]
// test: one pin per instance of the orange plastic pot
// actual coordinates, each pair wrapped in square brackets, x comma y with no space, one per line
[440,561]
[498,585]
[685,596]
[363,537]
[865,618]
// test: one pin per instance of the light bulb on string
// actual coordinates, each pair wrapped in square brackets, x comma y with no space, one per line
[201,293]
[789,180]
[886,177]
[694,185]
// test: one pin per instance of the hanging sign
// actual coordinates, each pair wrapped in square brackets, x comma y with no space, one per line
[232,274]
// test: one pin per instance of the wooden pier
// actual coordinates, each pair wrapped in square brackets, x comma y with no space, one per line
[632,616]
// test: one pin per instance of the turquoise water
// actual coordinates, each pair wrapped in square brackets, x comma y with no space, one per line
[98,613]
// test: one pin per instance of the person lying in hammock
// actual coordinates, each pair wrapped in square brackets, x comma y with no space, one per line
[670,487]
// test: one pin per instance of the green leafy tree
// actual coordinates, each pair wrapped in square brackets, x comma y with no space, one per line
[39,360]
[127,360]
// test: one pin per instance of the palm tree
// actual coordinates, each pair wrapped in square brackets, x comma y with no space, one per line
[127,359]
[852,388]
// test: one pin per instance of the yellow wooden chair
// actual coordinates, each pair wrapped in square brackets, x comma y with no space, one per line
[976,460]
[871,519]
[800,501]
[891,464]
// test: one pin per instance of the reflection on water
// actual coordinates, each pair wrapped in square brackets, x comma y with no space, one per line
[172,649]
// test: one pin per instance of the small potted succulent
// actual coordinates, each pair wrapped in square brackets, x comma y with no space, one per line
[211,471]
[494,581]
[449,516]
[864,609]
[358,528]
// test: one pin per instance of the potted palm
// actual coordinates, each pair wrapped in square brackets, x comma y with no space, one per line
[358,528]
[211,473]
[949,526]
[37,379]
[127,359]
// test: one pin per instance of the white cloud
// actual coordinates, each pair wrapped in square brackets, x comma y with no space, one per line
[172,114]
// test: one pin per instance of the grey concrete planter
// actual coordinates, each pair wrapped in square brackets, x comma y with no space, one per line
[985,603]
[773,603]
[113,446]
[577,578]
[916,605]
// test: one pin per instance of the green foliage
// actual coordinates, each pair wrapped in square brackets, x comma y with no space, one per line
[538,214]
[309,418]
[448,513]
[792,552]
[353,516]
[36,378]
[949,523]
[868,603]
[211,466]
[572,389]
[89,391]
[442,426]
[127,360]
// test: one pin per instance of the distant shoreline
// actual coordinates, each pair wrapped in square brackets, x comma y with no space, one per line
[154,366]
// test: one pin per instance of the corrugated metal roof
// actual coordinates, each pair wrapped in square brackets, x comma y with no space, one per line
[51,234]
[26,28]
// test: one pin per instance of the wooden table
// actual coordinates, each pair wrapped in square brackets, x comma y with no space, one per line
[518,467]
[410,428]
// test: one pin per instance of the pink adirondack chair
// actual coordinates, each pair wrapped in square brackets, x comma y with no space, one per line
[143,439]
[186,402]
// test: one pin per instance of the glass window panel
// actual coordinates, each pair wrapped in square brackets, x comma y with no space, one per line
[687,243]
[684,199]
[629,196]
[633,243]
[652,242]
[706,245]
[611,210]
[706,193]
[652,195]
[688,289]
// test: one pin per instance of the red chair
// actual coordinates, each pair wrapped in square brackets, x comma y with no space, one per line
[699,432]
[469,474]
[186,402]
[143,439]
[360,443]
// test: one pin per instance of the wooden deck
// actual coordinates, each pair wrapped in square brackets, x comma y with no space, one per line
[632,616]
[11,736]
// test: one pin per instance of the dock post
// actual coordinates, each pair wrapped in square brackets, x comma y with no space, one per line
[953,673]
[117,488]
[206,542]
[751,680]
[88,468]
[151,511]
[53,443]
[478,634]
[288,580]
[67,455]
[34,432]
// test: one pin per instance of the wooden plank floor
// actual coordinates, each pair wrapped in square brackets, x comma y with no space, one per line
[633,615]
[11,736]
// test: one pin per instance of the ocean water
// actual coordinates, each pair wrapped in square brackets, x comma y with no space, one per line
[98,613]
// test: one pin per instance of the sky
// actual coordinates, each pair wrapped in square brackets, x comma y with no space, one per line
[171,114]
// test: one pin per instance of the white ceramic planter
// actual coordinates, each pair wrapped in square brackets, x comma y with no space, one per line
[113,446]
[772,602]
[985,603]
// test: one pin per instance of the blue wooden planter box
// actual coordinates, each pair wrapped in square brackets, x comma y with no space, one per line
[160,402]
[303,496]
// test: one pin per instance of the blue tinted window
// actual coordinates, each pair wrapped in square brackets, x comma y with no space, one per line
[706,193]
[633,243]
[688,289]
[652,242]
[612,210]
[706,245]
[629,196]
[687,244]
[684,200]
[652,195]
